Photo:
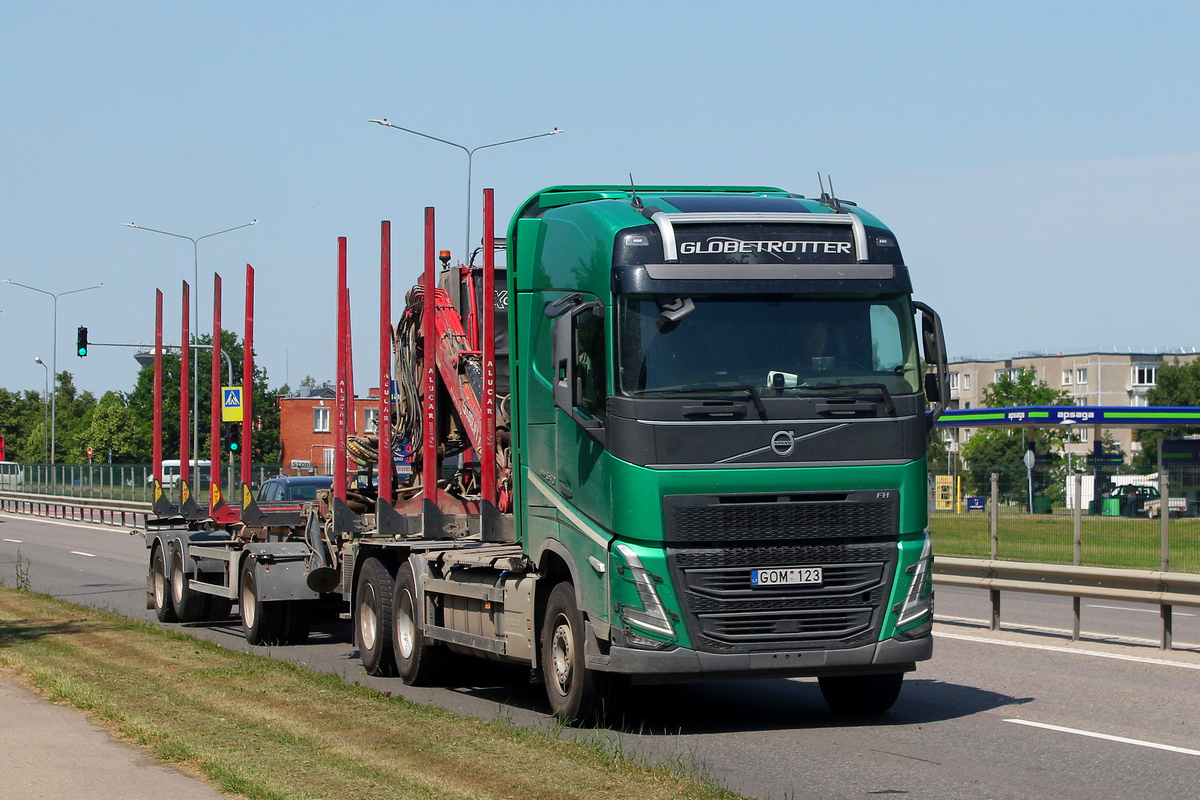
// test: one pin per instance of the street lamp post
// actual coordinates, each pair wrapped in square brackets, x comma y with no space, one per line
[195,319]
[46,430]
[54,362]
[470,154]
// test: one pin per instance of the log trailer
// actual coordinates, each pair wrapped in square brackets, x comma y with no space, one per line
[679,436]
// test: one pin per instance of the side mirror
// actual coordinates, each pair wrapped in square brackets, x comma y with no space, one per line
[933,347]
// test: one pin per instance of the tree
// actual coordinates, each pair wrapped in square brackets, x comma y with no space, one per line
[1176,385]
[265,447]
[1003,449]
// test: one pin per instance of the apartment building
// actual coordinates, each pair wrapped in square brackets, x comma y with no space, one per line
[1101,377]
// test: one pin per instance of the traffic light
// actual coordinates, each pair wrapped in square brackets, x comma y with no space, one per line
[231,436]
[81,341]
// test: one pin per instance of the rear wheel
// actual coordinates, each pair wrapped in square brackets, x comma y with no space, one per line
[190,605]
[373,618]
[297,621]
[861,694]
[416,660]
[160,587]
[262,622]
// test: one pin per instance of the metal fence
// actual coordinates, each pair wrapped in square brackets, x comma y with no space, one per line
[121,482]
[1051,515]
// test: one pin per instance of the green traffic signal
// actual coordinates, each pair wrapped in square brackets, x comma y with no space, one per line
[231,436]
[81,342]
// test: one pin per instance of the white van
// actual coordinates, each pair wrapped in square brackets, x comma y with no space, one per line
[12,476]
[170,474]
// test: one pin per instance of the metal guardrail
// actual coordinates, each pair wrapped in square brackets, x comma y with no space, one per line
[1164,589]
[118,513]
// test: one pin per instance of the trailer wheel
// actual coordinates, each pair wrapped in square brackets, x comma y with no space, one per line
[190,605]
[861,694]
[219,608]
[262,622]
[416,661]
[297,621]
[373,618]
[161,587]
[575,692]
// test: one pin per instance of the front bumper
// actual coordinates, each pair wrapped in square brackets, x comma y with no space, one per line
[677,665]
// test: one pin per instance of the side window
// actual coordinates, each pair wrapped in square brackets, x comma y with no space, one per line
[590,359]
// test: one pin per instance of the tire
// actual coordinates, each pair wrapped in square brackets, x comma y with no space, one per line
[373,618]
[219,608]
[190,605]
[297,621]
[262,622]
[416,660]
[861,694]
[577,695]
[160,587]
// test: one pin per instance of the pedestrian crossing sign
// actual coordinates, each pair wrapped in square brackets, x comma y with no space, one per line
[231,404]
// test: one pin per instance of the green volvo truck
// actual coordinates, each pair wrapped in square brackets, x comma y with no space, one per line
[691,446]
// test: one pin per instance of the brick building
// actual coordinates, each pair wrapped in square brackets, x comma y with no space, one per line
[306,429]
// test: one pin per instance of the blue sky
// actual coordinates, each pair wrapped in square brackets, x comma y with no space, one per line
[1038,162]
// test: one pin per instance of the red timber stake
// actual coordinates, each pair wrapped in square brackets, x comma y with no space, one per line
[185,399]
[487,459]
[339,428]
[158,385]
[384,424]
[215,501]
[348,343]
[247,454]
[429,461]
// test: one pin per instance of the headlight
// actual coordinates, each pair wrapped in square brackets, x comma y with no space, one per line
[918,603]
[653,618]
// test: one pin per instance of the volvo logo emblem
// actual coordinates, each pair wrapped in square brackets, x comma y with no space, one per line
[783,443]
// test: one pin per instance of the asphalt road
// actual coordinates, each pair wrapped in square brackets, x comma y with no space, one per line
[1021,713]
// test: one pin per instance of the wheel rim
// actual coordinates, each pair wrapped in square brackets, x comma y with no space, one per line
[249,602]
[368,618]
[160,583]
[177,579]
[560,654]
[406,629]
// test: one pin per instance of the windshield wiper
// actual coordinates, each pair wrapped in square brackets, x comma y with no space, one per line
[717,387]
[887,396]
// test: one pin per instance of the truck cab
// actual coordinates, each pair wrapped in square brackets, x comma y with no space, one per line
[720,427]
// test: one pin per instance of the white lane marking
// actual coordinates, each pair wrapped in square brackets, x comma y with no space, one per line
[67,524]
[1140,743]
[1140,610]
[1072,651]
[81,553]
[15,541]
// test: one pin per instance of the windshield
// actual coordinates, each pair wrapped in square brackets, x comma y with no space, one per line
[768,344]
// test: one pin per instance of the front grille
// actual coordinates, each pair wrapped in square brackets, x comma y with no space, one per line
[725,613]
[740,518]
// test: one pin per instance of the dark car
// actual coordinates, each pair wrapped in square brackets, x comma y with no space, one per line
[300,487]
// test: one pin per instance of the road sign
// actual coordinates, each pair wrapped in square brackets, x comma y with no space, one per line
[231,404]
[1030,458]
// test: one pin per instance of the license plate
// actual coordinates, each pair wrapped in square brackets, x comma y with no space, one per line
[781,576]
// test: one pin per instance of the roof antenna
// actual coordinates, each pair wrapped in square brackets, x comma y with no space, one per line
[637,201]
[824,196]
[834,204]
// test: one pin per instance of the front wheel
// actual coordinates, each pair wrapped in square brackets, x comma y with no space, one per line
[861,694]
[373,618]
[577,694]
[161,587]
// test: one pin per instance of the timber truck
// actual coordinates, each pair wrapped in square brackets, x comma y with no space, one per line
[679,435]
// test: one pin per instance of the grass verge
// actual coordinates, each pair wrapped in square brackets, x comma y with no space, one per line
[261,728]
[1119,542]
